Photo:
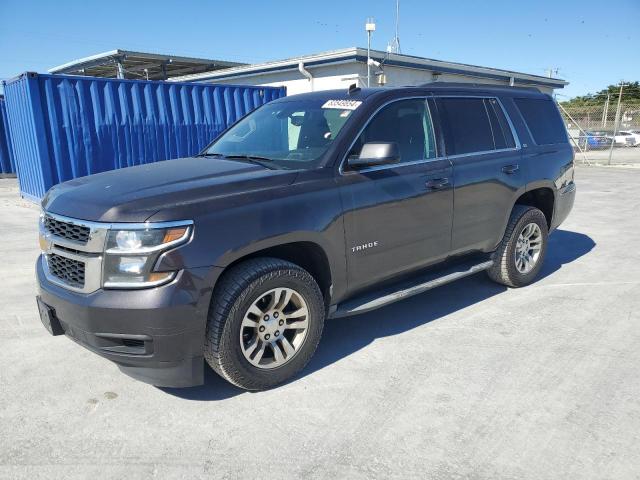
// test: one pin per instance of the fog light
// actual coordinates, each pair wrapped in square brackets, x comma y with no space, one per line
[44,244]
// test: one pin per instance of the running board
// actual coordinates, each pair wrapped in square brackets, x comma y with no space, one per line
[371,301]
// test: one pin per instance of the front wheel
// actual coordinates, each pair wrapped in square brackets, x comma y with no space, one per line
[520,255]
[265,322]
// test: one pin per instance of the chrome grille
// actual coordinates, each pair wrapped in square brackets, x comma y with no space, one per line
[66,269]
[70,231]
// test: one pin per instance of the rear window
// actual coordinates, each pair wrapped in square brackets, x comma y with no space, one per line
[466,125]
[474,125]
[543,120]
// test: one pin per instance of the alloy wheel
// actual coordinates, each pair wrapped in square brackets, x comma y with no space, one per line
[274,328]
[528,248]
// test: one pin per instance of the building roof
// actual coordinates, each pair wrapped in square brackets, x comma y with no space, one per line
[140,65]
[359,54]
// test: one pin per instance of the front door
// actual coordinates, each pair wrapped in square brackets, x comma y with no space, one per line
[397,217]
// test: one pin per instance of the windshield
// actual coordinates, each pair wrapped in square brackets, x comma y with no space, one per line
[293,134]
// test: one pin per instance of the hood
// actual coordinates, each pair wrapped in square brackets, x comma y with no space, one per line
[134,194]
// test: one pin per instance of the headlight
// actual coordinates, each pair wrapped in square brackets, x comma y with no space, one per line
[131,254]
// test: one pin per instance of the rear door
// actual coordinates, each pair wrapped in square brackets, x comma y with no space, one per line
[397,217]
[485,155]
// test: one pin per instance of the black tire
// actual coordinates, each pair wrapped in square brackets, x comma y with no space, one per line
[237,290]
[504,269]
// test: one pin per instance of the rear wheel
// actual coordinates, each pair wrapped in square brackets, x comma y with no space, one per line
[265,322]
[520,255]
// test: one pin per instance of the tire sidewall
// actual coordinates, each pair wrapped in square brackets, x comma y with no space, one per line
[231,352]
[530,216]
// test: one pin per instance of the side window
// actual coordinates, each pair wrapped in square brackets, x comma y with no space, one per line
[502,135]
[406,122]
[466,125]
[543,120]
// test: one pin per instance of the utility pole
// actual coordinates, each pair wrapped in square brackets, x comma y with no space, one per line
[616,122]
[370,27]
[605,112]
[120,71]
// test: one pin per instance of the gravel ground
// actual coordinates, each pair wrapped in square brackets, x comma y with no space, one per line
[470,380]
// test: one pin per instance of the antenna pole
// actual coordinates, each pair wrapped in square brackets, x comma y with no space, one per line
[368,58]
[397,25]
[394,45]
[370,27]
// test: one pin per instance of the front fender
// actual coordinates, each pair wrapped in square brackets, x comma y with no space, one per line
[249,247]
[308,211]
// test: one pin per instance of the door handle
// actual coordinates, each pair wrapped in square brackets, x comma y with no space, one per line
[510,169]
[437,183]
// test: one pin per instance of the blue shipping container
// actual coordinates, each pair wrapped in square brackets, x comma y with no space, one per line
[63,127]
[6,154]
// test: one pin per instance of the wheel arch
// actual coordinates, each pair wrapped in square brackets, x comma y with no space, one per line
[543,198]
[305,253]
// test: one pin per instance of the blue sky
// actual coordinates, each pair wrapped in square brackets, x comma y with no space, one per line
[591,43]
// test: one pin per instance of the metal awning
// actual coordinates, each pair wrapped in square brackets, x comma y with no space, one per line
[140,65]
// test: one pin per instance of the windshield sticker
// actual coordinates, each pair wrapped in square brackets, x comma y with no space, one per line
[342,104]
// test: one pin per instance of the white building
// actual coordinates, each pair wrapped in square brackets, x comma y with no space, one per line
[341,68]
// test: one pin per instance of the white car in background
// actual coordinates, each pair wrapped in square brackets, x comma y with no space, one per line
[635,134]
[626,139]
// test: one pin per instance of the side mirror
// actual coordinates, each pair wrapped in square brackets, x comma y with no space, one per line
[376,153]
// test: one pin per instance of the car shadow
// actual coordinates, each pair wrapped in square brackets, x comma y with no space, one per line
[214,388]
[344,336]
[564,247]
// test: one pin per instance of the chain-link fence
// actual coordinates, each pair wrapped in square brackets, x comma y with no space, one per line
[607,133]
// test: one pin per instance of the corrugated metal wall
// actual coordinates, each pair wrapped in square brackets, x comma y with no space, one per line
[63,127]
[6,152]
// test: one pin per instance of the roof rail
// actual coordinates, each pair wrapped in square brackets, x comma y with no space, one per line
[473,84]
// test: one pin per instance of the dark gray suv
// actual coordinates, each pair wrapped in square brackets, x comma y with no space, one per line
[317,205]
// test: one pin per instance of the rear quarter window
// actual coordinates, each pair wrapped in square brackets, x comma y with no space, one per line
[543,119]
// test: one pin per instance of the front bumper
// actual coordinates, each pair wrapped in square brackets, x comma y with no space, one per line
[155,335]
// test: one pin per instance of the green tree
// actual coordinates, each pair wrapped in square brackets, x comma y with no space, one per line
[630,96]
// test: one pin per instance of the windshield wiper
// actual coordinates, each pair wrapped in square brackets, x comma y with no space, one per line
[264,161]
